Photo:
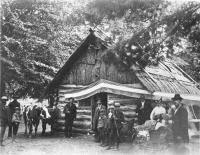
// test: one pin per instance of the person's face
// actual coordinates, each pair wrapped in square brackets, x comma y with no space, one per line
[71,100]
[142,100]
[177,103]
[111,110]
[17,111]
[116,107]
[3,102]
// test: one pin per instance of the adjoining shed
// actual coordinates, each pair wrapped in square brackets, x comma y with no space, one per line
[85,76]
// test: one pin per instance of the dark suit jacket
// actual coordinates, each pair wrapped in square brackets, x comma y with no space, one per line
[12,105]
[180,125]
[144,113]
[70,111]
[5,115]
[96,116]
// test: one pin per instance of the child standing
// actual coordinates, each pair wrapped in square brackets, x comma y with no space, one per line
[16,119]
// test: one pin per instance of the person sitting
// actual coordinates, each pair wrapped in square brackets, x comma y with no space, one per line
[158,111]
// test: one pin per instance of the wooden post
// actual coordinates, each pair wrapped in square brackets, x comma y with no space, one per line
[93,106]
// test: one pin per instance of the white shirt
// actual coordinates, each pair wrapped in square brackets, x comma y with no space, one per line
[158,110]
[142,104]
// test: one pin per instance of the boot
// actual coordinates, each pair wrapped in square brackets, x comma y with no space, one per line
[14,138]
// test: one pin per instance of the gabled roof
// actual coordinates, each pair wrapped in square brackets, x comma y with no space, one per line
[84,45]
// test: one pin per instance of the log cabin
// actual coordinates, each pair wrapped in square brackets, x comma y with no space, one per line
[86,77]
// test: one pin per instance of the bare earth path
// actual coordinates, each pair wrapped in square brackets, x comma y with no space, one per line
[79,145]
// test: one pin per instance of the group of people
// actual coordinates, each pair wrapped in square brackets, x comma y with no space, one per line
[174,112]
[107,121]
[107,124]
[9,117]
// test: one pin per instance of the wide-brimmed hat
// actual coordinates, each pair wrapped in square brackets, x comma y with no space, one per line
[110,103]
[4,98]
[117,104]
[177,97]
[142,97]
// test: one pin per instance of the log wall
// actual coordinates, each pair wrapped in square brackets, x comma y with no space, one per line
[84,113]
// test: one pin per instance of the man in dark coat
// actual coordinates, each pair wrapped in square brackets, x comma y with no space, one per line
[5,118]
[180,121]
[12,105]
[96,118]
[70,116]
[143,110]
[118,119]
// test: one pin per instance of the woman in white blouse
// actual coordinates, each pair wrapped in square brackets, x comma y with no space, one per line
[158,111]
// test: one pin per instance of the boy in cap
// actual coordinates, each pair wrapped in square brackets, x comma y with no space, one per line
[16,119]
[180,121]
[101,126]
[5,118]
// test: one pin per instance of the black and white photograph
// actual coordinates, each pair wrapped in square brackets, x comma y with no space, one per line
[100,77]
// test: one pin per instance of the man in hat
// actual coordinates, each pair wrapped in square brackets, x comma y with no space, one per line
[118,119]
[5,118]
[110,126]
[12,105]
[70,116]
[180,121]
[143,110]
[96,118]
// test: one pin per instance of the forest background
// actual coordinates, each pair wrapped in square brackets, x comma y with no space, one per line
[38,36]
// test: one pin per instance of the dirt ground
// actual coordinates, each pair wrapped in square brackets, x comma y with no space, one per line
[84,145]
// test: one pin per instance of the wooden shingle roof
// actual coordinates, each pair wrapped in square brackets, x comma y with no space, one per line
[168,78]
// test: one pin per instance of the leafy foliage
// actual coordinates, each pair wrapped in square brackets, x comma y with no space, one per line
[37,38]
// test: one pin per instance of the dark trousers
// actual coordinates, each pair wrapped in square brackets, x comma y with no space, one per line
[68,126]
[10,130]
[114,137]
[102,135]
[15,127]
[3,125]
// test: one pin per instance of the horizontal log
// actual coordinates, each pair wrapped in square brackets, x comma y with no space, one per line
[128,108]
[79,117]
[77,124]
